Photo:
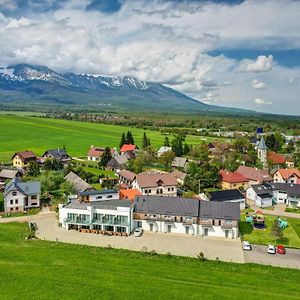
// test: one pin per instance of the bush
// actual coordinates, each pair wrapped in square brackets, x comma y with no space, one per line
[201,256]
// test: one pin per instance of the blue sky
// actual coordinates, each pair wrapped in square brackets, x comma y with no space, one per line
[230,53]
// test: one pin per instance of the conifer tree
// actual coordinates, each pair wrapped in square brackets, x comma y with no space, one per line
[123,140]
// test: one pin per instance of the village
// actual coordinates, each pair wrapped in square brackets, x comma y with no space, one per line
[174,190]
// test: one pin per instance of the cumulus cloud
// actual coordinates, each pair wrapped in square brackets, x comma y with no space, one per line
[258,85]
[262,64]
[260,101]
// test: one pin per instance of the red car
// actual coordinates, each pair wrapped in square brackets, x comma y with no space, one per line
[280,249]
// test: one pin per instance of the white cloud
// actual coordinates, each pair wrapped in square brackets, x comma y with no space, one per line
[260,101]
[262,64]
[258,85]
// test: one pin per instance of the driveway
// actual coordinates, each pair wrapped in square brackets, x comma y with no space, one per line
[176,244]
[259,255]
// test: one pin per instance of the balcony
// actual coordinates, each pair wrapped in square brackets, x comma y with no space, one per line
[104,221]
[205,222]
[151,218]
[187,221]
[169,219]
[226,226]
[77,221]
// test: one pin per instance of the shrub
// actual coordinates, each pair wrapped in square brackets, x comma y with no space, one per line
[201,256]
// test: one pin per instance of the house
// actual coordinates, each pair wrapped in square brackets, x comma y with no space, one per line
[79,184]
[95,195]
[95,153]
[23,158]
[58,154]
[8,175]
[128,148]
[126,177]
[180,162]
[180,176]
[163,150]
[286,175]
[129,194]
[186,216]
[117,163]
[20,196]
[156,184]
[111,216]
[267,194]
[254,175]
[233,195]
[275,161]
[233,180]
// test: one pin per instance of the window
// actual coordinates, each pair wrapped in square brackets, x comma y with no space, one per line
[33,197]
[14,193]
[219,222]
[99,197]
[11,201]
[149,191]
[213,222]
[16,201]
[172,189]
[228,222]
[11,209]
[109,196]
[17,208]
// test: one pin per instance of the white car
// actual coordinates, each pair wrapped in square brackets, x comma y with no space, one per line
[246,246]
[138,232]
[271,249]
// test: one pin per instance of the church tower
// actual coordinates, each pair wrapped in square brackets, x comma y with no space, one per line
[262,152]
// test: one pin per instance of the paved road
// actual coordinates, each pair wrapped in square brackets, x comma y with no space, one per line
[260,255]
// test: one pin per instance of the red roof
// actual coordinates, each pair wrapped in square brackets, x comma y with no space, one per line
[128,147]
[232,177]
[287,173]
[98,152]
[275,158]
[25,155]
[129,194]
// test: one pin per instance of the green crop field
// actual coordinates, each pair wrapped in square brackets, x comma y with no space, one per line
[39,134]
[34,269]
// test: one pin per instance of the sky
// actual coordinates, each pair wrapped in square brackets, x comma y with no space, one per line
[230,53]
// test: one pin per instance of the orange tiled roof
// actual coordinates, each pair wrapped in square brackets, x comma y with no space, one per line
[128,147]
[287,173]
[275,158]
[232,177]
[129,194]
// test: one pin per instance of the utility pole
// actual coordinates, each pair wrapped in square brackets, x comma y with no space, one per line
[199,191]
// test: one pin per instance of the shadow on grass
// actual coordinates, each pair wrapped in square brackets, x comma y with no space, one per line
[245,228]
[284,241]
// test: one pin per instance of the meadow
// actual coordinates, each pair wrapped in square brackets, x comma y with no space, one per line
[35,269]
[20,132]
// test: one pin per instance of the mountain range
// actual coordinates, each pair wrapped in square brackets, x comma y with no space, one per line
[24,85]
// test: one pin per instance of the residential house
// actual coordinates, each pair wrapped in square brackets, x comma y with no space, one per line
[58,154]
[20,196]
[187,216]
[126,178]
[79,184]
[128,148]
[180,176]
[180,162]
[95,153]
[254,175]
[23,158]
[111,216]
[268,194]
[286,175]
[233,180]
[156,184]
[129,194]
[275,161]
[163,150]
[233,195]
[95,195]
[6,175]
[117,163]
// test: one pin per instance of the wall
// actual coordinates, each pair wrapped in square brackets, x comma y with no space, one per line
[19,196]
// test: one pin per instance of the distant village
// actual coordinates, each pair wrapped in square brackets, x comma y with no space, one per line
[177,188]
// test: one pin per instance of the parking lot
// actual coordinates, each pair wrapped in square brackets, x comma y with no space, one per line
[259,255]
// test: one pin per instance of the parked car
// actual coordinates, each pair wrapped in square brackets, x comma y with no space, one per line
[280,249]
[246,246]
[138,232]
[271,249]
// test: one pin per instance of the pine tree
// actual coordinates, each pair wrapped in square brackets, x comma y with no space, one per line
[145,141]
[186,149]
[123,140]
[129,138]
[105,158]
[167,142]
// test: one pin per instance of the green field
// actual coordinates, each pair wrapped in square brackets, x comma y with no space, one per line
[33,269]
[39,134]
[291,234]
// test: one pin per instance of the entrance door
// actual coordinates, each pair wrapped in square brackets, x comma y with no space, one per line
[205,231]
[151,227]
[169,228]
[187,230]
[226,233]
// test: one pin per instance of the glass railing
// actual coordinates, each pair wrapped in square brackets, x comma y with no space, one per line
[110,222]
[77,221]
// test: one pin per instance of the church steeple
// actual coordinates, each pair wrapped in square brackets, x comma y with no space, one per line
[262,152]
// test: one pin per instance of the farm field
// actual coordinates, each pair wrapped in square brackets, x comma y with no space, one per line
[291,234]
[38,134]
[74,271]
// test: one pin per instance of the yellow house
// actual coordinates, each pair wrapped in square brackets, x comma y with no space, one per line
[233,180]
[22,159]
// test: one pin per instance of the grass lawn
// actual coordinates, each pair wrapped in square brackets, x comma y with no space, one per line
[33,269]
[97,171]
[39,134]
[291,234]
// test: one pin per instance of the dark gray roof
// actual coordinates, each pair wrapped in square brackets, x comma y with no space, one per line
[262,144]
[97,192]
[79,183]
[75,204]
[26,188]
[10,174]
[117,161]
[220,210]
[264,188]
[167,205]
[226,195]
[290,188]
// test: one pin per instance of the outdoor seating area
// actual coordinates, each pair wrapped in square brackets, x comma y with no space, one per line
[103,232]
[256,219]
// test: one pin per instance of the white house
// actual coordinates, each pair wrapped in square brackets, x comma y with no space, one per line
[186,216]
[260,194]
[20,196]
[113,216]
[95,195]
[163,150]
